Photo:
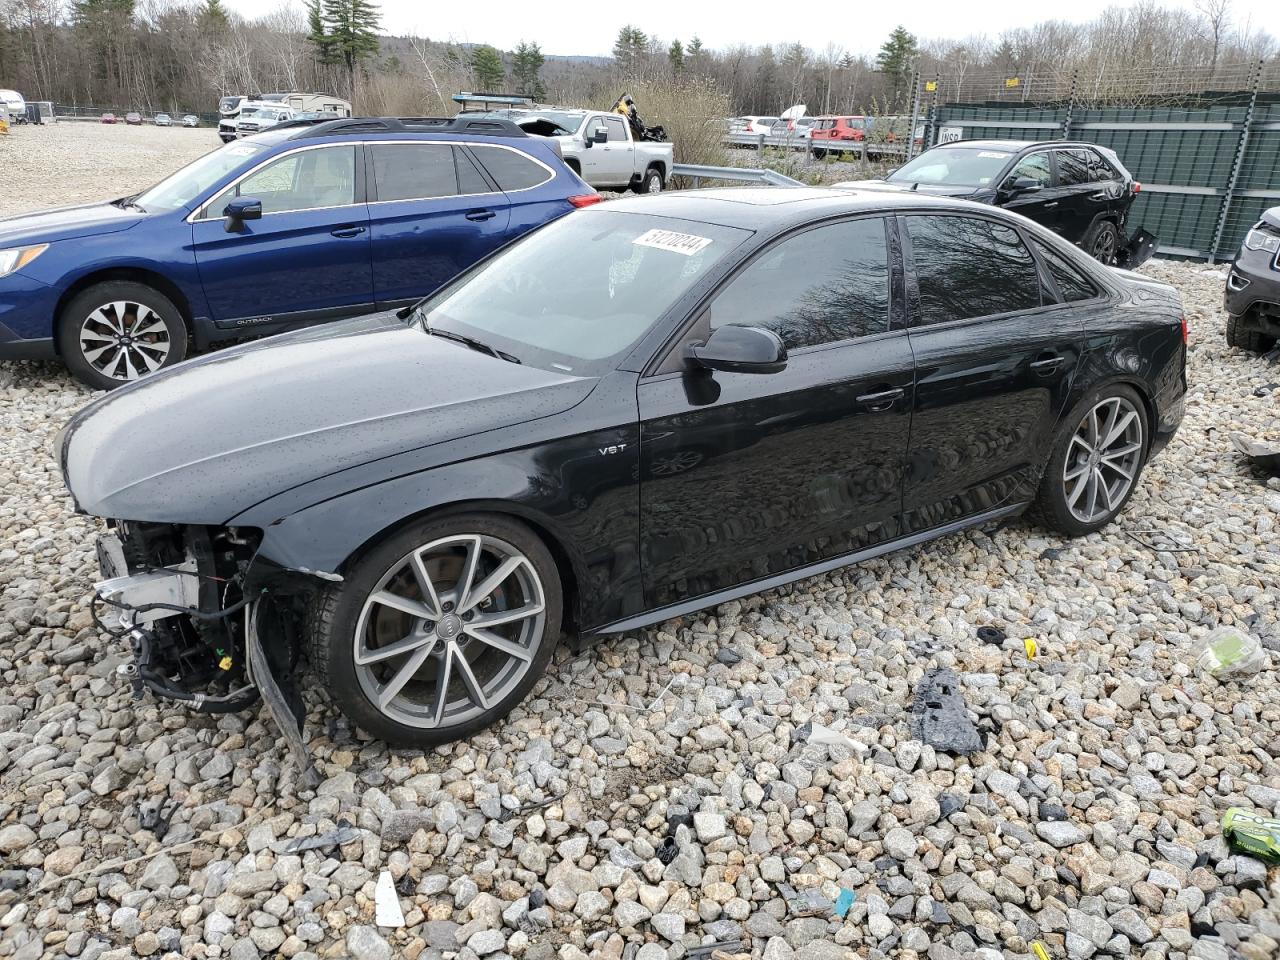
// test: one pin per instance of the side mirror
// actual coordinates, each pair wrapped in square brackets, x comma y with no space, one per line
[740,350]
[1014,186]
[239,210]
[598,135]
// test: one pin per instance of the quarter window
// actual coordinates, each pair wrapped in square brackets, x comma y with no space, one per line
[1036,166]
[305,180]
[414,171]
[510,169]
[966,267]
[1072,284]
[821,286]
[1073,167]
[617,129]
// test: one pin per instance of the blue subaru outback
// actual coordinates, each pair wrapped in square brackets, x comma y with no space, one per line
[306,223]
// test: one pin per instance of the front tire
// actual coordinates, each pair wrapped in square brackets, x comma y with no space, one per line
[1095,463]
[1242,337]
[116,332]
[440,630]
[651,182]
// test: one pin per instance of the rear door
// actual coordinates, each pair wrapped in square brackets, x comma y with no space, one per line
[746,475]
[525,182]
[1083,197]
[307,259]
[432,213]
[995,357]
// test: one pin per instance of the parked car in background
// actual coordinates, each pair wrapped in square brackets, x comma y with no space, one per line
[229,108]
[296,226]
[832,134]
[191,120]
[133,119]
[107,118]
[13,106]
[752,125]
[572,434]
[228,112]
[314,115]
[1080,191]
[256,117]
[162,120]
[1252,296]
[798,128]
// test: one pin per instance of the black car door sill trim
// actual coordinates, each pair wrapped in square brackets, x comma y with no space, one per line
[651,617]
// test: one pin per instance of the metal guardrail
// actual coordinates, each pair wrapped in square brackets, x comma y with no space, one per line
[761,140]
[698,172]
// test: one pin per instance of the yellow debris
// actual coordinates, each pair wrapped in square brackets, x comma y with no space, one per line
[225,663]
[1031,647]
[1040,952]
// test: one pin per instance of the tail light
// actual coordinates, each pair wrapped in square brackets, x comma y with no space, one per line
[585,199]
[1184,329]
[1137,187]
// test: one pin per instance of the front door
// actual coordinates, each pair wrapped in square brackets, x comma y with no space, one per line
[306,260]
[994,363]
[432,214]
[1044,205]
[744,475]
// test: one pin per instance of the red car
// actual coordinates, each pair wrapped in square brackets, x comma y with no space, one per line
[835,132]
[133,119]
[108,118]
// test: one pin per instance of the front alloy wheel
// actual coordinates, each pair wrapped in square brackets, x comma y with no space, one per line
[445,629]
[119,331]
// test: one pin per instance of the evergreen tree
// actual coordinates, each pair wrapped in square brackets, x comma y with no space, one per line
[316,35]
[675,54]
[351,35]
[526,63]
[213,15]
[631,45]
[486,67]
[896,58]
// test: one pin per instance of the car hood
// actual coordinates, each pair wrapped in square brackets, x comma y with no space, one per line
[208,439]
[933,190]
[66,223]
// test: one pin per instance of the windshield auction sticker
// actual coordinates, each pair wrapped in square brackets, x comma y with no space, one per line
[684,243]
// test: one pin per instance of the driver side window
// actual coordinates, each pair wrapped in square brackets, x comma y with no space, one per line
[1036,166]
[306,180]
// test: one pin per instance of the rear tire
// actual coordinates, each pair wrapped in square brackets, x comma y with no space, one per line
[1095,463]
[1242,337]
[651,182]
[116,332]
[1101,241]
[397,697]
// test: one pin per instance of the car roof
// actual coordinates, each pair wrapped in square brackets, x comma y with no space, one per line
[1013,146]
[771,209]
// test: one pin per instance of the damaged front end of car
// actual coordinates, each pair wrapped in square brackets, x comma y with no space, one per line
[209,623]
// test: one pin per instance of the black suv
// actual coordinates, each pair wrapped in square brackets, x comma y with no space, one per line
[1079,190]
[1253,287]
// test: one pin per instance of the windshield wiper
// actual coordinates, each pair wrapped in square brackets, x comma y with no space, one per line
[126,203]
[463,339]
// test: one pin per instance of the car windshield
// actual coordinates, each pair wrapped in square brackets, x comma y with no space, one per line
[185,187]
[953,167]
[579,292]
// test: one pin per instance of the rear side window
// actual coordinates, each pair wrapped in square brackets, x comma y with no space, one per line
[414,171]
[1072,284]
[966,267]
[1073,167]
[470,179]
[821,286]
[510,169]
[1100,169]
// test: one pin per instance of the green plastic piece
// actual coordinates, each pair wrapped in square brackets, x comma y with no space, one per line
[1253,833]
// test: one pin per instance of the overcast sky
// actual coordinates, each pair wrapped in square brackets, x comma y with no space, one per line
[590,28]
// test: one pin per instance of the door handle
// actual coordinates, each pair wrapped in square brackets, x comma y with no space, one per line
[883,399]
[1047,365]
[1100,195]
[479,216]
[1052,203]
[350,230]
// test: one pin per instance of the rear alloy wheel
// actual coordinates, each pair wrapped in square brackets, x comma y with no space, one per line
[1096,463]
[441,630]
[652,181]
[1102,241]
[120,331]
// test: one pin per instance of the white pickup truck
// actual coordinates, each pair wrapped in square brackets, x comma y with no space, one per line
[601,148]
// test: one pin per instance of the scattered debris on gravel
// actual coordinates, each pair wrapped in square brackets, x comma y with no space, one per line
[655,799]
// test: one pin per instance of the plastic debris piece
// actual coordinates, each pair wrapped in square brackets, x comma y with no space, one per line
[1038,950]
[844,901]
[1051,553]
[940,717]
[1230,652]
[1264,455]
[386,902]
[1252,833]
[1031,647]
[825,736]
[340,836]
[728,657]
[810,903]
[705,950]
[991,635]
[155,816]
[668,849]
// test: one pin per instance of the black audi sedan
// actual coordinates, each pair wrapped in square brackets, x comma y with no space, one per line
[638,411]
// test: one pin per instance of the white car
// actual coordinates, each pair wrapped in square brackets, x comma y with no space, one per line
[14,105]
[752,125]
[256,117]
[162,120]
[191,120]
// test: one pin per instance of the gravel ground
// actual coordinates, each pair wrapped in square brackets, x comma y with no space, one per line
[1088,820]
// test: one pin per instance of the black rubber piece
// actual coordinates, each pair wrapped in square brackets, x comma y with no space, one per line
[992,635]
